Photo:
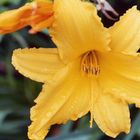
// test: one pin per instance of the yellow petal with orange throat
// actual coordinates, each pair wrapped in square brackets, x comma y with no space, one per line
[38,64]
[125,34]
[77,28]
[111,115]
[66,98]
[30,14]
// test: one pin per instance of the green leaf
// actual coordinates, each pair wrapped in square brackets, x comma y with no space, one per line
[134,129]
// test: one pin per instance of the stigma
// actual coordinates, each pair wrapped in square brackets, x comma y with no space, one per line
[90,64]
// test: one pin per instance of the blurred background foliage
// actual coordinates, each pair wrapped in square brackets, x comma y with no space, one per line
[17,92]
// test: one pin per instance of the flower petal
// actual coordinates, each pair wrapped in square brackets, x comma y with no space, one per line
[37,64]
[42,15]
[125,34]
[121,87]
[42,25]
[112,115]
[13,20]
[125,65]
[64,99]
[77,28]
[30,14]
[120,74]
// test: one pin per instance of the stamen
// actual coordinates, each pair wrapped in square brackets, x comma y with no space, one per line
[89,64]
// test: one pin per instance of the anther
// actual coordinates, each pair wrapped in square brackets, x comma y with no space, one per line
[90,64]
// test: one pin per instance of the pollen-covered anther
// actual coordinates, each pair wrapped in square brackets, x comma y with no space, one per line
[89,64]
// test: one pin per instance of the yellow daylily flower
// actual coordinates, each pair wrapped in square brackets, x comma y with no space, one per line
[94,69]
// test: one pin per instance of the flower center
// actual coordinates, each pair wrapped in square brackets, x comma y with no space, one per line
[89,64]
